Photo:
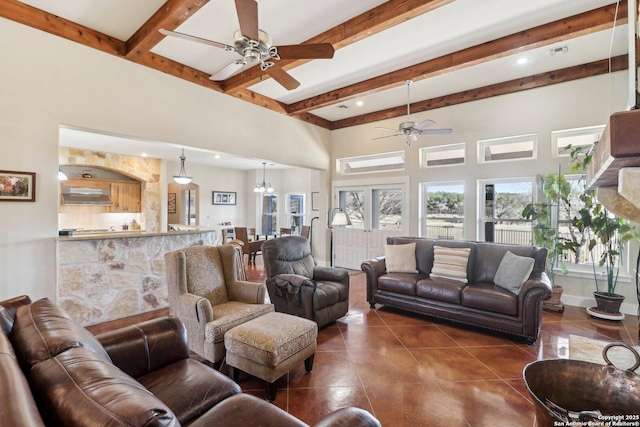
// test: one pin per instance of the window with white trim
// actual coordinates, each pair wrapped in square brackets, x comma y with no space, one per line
[443,210]
[443,155]
[521,147]
[383,162]
[501,210]
[295,211]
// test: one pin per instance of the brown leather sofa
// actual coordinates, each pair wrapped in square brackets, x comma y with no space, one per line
[54,372]
[479,302]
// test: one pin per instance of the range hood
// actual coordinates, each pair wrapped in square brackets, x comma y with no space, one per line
[86,196]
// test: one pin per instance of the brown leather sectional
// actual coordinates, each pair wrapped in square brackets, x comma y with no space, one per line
[54,372]
[477,303]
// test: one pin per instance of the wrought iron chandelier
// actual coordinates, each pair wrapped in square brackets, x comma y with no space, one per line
[261,187]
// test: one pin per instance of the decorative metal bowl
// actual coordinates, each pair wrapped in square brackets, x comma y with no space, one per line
[572,392]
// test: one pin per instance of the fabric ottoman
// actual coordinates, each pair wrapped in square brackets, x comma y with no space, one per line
[268,347]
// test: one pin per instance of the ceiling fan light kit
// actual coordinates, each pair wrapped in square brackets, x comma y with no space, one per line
[256,46]
[411,129]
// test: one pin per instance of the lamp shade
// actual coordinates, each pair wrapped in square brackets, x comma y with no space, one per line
[340,218]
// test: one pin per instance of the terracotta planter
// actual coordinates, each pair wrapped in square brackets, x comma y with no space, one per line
[608,303]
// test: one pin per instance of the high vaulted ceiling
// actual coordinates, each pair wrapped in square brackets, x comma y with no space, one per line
[455,50]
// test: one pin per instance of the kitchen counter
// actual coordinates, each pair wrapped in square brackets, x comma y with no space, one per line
[130,233]
[111,275]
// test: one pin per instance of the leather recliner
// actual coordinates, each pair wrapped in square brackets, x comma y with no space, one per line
[299,287]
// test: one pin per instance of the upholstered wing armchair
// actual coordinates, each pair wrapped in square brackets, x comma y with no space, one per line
[205,293]
[297,286]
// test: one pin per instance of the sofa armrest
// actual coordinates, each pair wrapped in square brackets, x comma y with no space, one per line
[148,346]
[373,269]
[331,274]
[247,292]
[535,290]
[349,416]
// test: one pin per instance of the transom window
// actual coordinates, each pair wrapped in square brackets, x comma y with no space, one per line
[579,137]
[383,162]
[442,155]
[522,147]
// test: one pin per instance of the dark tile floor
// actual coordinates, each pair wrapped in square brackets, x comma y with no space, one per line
[411,370]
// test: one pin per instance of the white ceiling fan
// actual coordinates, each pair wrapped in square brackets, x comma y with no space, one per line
[255,46]
[410,128]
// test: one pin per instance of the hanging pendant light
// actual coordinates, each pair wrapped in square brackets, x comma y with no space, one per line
[182,178]
[261,187]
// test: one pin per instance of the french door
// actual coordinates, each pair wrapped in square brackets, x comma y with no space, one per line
[375,211]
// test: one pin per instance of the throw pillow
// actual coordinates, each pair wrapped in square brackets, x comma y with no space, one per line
[513,271]
[400,258]
[450,263]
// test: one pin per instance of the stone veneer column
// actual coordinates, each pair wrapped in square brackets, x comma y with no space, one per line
[105,279]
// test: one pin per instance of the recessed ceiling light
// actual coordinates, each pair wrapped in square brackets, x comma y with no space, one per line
[522,60]
[144,154]
[217,156]
[359,103]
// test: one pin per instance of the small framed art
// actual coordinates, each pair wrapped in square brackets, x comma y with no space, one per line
[17,186]
[315,201]
[224,197]
[171,203]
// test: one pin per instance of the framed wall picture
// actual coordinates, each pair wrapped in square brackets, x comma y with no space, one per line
[224,197]
[315,201]
[17,186]
[171,204]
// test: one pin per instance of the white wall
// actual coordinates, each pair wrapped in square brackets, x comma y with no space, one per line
[46,81]
[580,103]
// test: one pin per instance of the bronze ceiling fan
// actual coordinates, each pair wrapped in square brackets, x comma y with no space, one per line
[255,46]
[410,128]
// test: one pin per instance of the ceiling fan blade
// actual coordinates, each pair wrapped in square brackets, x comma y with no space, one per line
[248,18]
[226,71]
[387,129]
[386,136]
[195,39]
[435,131]
[424,124]
[306,51]
[282,77]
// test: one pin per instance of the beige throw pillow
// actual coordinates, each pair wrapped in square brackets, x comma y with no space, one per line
[450,263]
[400,258]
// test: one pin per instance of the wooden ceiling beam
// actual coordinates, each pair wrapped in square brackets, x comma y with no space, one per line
[176,69]
[169,16]
[367,24]
[590,69]
[52,24]
[543,35]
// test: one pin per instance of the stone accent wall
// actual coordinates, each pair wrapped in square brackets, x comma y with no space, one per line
[110,278]
[142,168]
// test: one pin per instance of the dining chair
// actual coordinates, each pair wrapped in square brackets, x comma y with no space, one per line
[285,231]
[249,248]
[305,231]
